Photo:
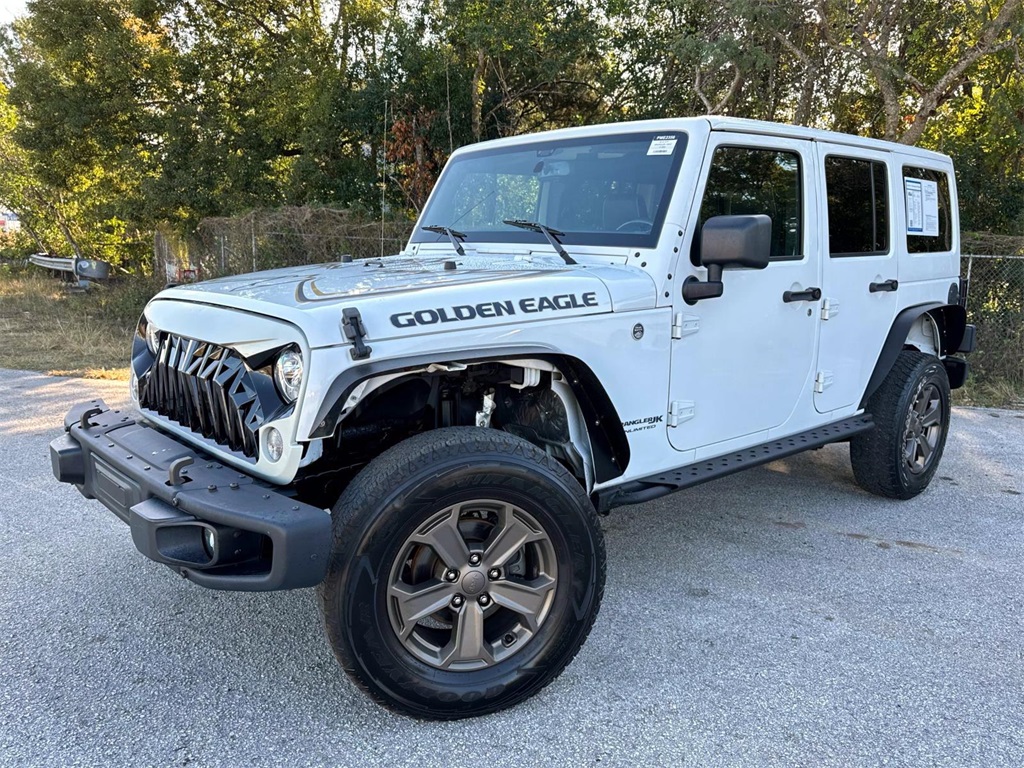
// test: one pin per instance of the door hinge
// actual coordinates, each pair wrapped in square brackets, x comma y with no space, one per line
[680,411]
[684,325]
[823,380]
[829,309]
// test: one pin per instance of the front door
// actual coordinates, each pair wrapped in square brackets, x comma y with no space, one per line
[742,363]
[860,278]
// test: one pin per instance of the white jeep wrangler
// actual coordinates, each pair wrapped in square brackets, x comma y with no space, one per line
[582,319]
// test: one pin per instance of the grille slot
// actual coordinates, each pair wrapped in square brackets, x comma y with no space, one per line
[205,388]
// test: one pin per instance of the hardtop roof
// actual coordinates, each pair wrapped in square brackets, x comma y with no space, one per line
[716,123]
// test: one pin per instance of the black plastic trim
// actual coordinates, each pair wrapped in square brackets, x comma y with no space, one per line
[967,343]
[956,371]
[951,320]
[126,465]
[663,483]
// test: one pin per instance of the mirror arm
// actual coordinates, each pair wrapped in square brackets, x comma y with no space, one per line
[694,290]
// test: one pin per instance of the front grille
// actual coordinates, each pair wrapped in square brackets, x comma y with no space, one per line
[206,388]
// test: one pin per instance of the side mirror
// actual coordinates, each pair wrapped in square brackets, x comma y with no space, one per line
[729,241]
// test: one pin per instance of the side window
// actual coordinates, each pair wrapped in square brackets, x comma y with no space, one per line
[858,206]
[929,223]
[750,180]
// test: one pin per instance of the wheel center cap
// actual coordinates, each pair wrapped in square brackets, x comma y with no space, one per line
[473,583]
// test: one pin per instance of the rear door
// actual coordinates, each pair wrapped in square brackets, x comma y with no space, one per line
[860,278]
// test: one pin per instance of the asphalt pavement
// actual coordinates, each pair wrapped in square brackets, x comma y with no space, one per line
[777,617]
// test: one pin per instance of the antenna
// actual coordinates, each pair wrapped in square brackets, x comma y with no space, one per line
[383,175]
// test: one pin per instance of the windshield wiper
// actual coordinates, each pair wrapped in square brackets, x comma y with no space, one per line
[551,234]
[452,235]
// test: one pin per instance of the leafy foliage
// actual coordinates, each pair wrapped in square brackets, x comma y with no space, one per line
[121,116]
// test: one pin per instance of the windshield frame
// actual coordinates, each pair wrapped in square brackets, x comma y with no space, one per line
[569,238]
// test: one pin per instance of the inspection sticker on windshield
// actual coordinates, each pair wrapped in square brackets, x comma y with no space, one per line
[662,145]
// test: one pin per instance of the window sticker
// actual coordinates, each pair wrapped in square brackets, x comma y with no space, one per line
[662,145]
[922,207]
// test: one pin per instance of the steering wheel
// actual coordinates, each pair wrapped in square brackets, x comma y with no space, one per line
[624,226]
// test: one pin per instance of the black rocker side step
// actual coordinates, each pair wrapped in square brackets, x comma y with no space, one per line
[689,475]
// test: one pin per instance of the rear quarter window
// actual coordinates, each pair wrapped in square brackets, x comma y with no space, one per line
[929,217]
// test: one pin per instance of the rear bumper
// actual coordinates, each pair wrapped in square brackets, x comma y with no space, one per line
[174,497]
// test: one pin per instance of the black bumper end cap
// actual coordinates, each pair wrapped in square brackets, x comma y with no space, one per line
[67,460]
[968,341]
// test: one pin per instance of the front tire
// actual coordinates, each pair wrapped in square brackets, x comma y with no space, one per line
[899,456]
[467,570]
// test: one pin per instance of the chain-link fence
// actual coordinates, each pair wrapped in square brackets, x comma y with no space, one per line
[281,237]
[995,304]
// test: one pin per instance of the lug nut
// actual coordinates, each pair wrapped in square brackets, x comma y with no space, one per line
[457,601]
[494,574]
[484,600]
[474,559]
[451,575]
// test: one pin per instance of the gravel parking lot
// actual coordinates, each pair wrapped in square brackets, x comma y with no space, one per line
[777,617]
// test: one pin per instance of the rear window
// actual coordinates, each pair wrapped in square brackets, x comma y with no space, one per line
[858,206]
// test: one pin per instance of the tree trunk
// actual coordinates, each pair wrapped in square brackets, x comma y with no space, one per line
[477,94]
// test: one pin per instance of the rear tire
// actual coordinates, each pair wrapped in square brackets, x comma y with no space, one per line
[899,456]
[466,571]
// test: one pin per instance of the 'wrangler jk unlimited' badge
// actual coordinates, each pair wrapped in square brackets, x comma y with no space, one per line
[488,309]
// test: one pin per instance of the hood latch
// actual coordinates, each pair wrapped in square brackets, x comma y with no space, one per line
[352,326]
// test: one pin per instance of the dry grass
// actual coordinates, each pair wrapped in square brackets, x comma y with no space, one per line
[43,327]
[998,394]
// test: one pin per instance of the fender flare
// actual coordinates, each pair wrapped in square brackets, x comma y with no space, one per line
[608,441]
[951,320]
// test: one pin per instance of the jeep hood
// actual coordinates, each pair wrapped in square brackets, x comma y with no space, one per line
[399,295]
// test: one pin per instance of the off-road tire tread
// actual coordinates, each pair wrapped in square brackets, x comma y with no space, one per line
[377,479]
[871,453]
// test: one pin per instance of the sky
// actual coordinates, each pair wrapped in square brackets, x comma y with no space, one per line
[9,9]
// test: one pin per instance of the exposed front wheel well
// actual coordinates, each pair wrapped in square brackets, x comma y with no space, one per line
[556,404]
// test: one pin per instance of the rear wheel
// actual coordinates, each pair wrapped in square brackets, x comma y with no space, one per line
[911,411]
[467,571]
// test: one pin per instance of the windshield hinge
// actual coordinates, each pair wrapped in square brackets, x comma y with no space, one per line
[680,411]
[352,326]
[684,325]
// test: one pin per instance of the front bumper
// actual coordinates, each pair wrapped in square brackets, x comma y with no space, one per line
[174,497]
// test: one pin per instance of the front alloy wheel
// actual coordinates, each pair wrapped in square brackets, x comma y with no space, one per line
[466,572]
[472,585]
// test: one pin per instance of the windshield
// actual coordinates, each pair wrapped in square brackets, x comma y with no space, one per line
[600,190]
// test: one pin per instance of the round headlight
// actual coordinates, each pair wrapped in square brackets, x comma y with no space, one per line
[288,374]
[152,337]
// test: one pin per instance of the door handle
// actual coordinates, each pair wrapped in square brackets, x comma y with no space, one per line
[810,294]
[885,285]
